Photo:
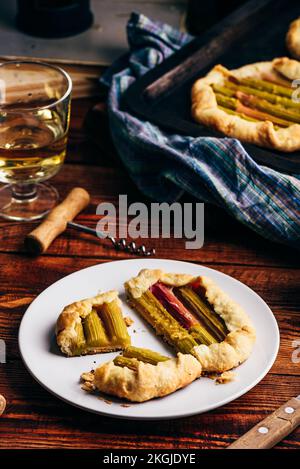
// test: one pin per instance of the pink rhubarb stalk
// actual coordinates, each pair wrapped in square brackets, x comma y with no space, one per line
[173,305]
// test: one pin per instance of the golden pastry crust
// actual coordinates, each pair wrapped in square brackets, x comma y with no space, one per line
[293,38]
[148,382]
[289,68]
[218,357]
[72,314]
[237,345]
[136,286]
[206,110]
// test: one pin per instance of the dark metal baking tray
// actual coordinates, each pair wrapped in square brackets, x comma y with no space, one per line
[255,32]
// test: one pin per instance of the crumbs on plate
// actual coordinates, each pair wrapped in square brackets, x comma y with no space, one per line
[128,321]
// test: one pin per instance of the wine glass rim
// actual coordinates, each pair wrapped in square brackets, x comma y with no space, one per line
[45,65]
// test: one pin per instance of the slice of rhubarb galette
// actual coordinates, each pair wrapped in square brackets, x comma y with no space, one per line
[141,374]
[254,103]
[194,316]
[93,325]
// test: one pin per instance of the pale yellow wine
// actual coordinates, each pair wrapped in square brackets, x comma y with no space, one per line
[32,147]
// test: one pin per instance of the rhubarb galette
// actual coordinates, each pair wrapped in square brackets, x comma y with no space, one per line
[293,38]
[93,325]
[194,316]
[253,103]
[140,374]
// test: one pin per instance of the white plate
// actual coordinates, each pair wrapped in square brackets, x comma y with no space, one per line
[60,375]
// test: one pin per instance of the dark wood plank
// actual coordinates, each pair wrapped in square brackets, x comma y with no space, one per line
[44,270]
[37,420]
[217,249]
[234,245]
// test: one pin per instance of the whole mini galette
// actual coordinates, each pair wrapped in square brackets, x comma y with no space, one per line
[254,103]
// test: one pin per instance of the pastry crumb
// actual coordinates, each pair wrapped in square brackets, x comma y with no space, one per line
[88,377]
[125,405]
[105,400]
[128,321]
[88,387]
[87,380]
[226,377]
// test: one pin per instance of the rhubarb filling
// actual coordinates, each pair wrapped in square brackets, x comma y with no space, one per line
[103,329]
[131,357]
[259,100]
[181,315]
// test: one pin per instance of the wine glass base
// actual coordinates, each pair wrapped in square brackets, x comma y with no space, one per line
[33,208]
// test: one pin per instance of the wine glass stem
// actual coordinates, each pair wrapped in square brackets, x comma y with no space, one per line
[24,192]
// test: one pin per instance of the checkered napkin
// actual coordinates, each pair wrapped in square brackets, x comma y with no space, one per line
[215,170]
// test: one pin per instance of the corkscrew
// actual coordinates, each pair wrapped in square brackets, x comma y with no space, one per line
[61,217]
[119,245]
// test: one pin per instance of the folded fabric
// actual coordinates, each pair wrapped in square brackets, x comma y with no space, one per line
[215,170]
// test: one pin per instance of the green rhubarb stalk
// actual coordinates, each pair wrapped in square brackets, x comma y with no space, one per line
[80,339]
[163,323]
[205,312]
[273,109]
[231,89]
[264,85]
[234,104]
[224,90]
[243,116]
[131,363]
[94,331]
[144,355]
[202,335]
[114,323]
[226,101]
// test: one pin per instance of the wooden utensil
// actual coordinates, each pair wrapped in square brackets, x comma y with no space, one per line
[272,429]
[2,404]
[56,222]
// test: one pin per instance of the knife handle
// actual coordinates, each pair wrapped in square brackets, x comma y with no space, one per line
[272,429]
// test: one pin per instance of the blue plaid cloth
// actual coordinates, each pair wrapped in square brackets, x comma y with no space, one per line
[219,171]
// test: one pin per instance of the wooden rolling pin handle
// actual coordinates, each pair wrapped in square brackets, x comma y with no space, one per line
[56,221]
[2,404]
[272,429]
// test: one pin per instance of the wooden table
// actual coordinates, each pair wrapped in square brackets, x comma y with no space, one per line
[36,419]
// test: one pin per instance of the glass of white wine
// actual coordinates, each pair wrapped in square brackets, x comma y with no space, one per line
[35,103]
